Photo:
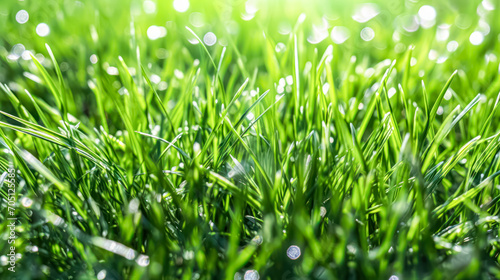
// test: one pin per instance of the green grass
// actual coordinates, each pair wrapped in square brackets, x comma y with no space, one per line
[173,159]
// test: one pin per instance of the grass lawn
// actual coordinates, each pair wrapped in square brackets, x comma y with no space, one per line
[258,139]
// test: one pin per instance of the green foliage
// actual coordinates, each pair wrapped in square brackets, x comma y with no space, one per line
[177,158]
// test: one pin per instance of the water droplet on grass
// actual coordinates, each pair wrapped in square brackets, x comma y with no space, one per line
[280,47]
[196,147]
[326,88]
[210,39]
[391,92]
[133,205]
[319,33]
[181,5]
[149,6]
[427,15]
[322,210]
[433,55]
[293,252]
[26,202]
[284,28]
[440,110]
[101,275]
[155,32]
[112,71]
[452,46]
[155,79]
[483,27]
[143,260]
[487,5]
[17,51]
[251,275]
[448,94]
[367,34]
[93,59]
[257,240]
[22,17]
[443,32]
[410,23]
[250,116]
[476,38]
[340,34]
[251,7]
[42,29]
[365,12]
[130,254]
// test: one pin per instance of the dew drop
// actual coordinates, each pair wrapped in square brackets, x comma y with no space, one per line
[280,47]
[340,34]
[93,59]
[365,12]
[427,13]
[476,38]
[257,240]
[251,275]
[487,5]
[181,5]
[367,34]
[391,92]
[440,110]
[155,32]
[452,46]
[101,275]
[293,252]
[22,17]
[210,39]
[410,23]
[26,202]
[443,32]
[143,260]
[322,209]
[42,29]
[448,94]
[149,7]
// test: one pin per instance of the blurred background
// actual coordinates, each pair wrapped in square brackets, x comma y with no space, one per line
[83,34]
[89,39]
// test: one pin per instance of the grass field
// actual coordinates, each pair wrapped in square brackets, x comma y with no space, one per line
[249,139]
